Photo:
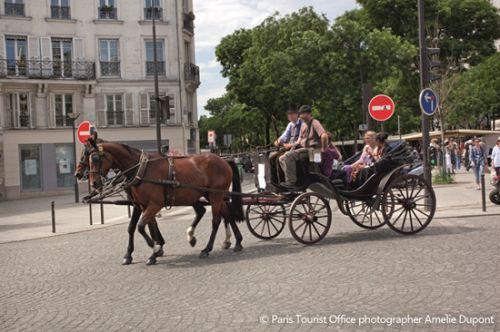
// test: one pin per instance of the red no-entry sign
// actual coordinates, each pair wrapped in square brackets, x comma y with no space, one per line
[85,130]
[381,107]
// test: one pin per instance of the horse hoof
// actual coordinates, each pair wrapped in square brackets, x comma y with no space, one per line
[203,254]
[192,242]
[160,253]
[238,247]
[226,245]
[127,261]
[151,261]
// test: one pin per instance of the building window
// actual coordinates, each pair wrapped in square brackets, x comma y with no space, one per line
[16,55]
[150,68]
[63,106]
[109,57]
[14,8]
[114,110]
[20,107]
[60,9]
[31,168]
[107,10]
[62,56]
[64,165]
[152,8]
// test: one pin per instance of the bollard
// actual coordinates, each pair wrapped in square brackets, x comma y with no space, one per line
[483,192]
[90,206]
[128,209]
[102,214]
[52,208]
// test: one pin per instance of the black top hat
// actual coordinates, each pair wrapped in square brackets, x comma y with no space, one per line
[305,109]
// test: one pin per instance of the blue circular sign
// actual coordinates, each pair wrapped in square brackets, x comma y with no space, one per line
[428,102]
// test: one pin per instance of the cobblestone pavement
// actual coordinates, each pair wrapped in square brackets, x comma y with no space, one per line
[75,282]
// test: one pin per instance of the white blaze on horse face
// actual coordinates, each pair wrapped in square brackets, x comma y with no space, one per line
[190,232]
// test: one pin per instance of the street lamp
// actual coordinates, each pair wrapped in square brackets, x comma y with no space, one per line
[73,117]
[155,66]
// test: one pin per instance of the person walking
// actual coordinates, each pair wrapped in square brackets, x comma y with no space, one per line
[477,159]
[495,158]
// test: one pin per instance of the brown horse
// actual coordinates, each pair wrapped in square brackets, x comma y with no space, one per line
[206,175]
[81,172]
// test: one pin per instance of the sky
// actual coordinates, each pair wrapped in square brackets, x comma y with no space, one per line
[218,18]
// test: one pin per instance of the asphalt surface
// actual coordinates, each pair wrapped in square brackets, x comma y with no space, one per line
[375,279]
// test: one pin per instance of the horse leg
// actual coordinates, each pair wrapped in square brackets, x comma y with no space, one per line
[200,210]
[148,217]
[237,234]
[156,234]
[227,241]
[217,203]
[127,259]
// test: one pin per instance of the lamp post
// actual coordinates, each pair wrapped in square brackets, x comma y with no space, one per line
[73,117]
[157,97]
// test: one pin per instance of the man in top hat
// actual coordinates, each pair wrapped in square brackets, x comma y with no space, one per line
[311,135]
[286,141]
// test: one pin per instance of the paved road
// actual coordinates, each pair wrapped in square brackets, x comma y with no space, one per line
[75,282]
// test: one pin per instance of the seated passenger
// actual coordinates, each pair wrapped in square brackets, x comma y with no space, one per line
[366,159]
[311,133]
[329,153]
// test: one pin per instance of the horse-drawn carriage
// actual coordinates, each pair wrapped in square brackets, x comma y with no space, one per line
[392,196]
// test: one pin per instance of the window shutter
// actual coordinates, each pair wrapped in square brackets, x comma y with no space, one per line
[144,104]
[8,114]
[3,64]
[129,109]
[78,49]
[46,56]
[100,116]
[52,111]
[32,113]
[34,56]
[173,118]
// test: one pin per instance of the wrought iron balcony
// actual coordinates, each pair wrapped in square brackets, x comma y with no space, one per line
[24,122]
[188,23]
[63,121]
[60,12]
[150,68]
[14,9]
[192,76]
[107,13]
[42,69]
[110,68]
[149,12]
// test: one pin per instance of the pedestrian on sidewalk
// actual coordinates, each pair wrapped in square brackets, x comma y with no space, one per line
[477,158]
[495,158]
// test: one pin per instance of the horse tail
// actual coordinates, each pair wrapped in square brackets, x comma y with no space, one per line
[236,201]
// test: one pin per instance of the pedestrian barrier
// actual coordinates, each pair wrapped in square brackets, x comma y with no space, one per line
[52,209]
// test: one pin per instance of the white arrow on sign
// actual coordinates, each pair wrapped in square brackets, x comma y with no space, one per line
[430,99]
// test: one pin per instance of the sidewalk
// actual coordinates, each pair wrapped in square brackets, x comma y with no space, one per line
[31,218]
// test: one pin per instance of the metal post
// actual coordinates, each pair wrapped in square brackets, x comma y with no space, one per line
[399,126]
[102,214]
[53,210]
[157,97]
[424,81]
[77,194]
[90,205]
[483,192]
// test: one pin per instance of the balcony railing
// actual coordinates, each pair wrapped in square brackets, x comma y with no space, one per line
[150,11]
[114,118]
[188,23]
[41,69]
[110,68]
[191,72]
[150,68]
[60,12]
[24,122]
[63,121]
[107,13]
[14,9]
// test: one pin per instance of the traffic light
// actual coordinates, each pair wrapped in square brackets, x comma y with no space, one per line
[433,63]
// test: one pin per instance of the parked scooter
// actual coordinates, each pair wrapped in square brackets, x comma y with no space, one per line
[495,193]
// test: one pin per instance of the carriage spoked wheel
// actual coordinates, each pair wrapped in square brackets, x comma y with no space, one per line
[265,221]
[310,218]
[366,214]
[409,204]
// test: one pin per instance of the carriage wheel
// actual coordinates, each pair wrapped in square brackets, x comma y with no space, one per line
[409,204]
[265,221]
[365,214]
[310,218]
